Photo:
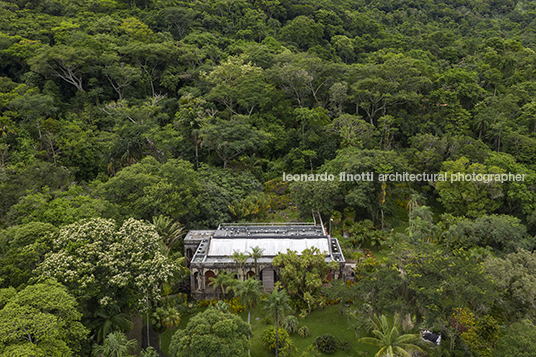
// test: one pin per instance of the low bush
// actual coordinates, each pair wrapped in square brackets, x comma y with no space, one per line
[291,324]
[235,305]
[343,344]
[326,343]
[286,347]
[304,331]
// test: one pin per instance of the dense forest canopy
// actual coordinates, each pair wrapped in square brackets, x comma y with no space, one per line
[89,88]
[113,113]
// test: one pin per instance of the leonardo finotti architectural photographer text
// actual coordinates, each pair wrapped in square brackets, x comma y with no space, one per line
[407,177]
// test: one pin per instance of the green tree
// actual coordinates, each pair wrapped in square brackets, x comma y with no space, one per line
[389,338]
[170,232]
[240,259]
[231,138]
[361,186]
[149,188]
[164,318]
[354,131]
[441,280]
[277,305]
[66,62]
[211,333]
[221,281]
[321,195]
[60,207]
[41,320]
[111,319]
[191,117]
[519,339]
[237,84]
[470,198]
[515,279]
[379,87]
[302,275]
[115,345]
[249,293]
[256,254]
[105,264]
[25,247]
[302,31]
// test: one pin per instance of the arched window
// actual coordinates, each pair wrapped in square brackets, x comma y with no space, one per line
[209,275]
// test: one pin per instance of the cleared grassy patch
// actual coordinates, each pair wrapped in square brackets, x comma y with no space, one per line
[328,320]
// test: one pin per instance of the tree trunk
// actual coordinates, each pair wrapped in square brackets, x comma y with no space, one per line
[276,335]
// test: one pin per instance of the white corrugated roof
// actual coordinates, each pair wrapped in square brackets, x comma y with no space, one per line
[226,247]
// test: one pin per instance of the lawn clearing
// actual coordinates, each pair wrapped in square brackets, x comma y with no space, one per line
[328,320]
[320,321]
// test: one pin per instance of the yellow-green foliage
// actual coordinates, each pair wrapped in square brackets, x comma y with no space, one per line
[236,306]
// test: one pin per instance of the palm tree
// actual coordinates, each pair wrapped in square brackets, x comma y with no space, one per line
[221,281]
[240,258]
[277,305]
[111,319]
[249,293]
[164,318]
[414,201]
[115,345]
[256,254]
[169,231]
[389,339]
[424,212]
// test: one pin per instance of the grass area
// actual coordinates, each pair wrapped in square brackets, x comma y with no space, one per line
[402,228]
[328,320]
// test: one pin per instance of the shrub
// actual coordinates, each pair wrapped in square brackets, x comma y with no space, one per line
[326,343]
[268,320]
[332,301]
[291,324]
[286,347]
[304,331]
[342,344]
[207,303]
[235,305]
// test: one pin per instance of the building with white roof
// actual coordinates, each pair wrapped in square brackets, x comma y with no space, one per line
[210,251]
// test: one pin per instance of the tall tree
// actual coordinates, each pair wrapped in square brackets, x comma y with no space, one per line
[249,293]
[41,320]
[103,264]
[302,275]
[66,62]
[221,281]
[211,333]
[111,319]
[256,254]
[170,232]
[277,304]
[231,138]
[240,259]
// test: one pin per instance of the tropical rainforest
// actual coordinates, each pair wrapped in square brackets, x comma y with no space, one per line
[125,123]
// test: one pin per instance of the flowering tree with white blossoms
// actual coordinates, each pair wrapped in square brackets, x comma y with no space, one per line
[102,263]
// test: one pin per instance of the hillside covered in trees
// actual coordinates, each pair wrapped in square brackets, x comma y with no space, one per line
[120,117]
